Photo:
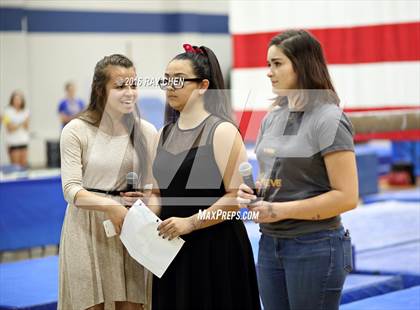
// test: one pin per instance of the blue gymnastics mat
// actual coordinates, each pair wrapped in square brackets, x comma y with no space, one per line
[356,287]
[29,284]
[401,260]
[383,152]
[410,195]
[382,224]
[408,299]
[27,221]
[359,286]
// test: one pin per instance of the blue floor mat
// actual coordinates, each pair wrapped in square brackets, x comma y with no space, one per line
[358,287]
[408,299]
[401,260]
[383,224]
[29,284]
[410,195]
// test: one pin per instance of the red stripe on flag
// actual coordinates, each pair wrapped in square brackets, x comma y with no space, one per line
[384,108]
[403,135]
[363,44]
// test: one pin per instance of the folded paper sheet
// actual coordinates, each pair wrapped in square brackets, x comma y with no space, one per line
[141,238]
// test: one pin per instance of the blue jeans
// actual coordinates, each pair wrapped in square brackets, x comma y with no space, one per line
[306,272]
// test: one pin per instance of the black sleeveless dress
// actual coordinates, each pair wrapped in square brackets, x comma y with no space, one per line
[215,267]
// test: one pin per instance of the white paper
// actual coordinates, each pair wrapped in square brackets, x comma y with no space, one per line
[140,236]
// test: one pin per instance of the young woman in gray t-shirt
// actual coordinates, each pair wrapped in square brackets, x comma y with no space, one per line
[308,178]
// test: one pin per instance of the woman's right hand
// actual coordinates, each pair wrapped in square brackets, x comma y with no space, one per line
[130,198]
[116,213]
[245,194]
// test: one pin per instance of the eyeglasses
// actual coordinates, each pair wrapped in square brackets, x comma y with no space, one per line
[175,82]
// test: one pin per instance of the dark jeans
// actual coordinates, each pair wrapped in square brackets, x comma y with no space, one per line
[306,272]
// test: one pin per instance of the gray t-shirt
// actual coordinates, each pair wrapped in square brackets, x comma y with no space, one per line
[290,149]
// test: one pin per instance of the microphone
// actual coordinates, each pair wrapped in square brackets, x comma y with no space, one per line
[245,170]
[132,181]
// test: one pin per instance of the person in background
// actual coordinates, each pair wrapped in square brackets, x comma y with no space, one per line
[16,123]
[70,106]
[306,155]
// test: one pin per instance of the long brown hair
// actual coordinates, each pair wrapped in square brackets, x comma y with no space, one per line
[206,66]
[98,97]
[12,97]
[306,54]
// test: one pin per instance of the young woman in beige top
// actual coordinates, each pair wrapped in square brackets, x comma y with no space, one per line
[98,149]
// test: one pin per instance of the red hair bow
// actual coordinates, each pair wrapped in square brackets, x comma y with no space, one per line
[192,49]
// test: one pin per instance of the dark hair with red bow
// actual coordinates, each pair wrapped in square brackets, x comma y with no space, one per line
[192,49]
[205,66]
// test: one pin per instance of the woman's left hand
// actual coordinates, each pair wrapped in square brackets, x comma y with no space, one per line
[174,227]
[266,212]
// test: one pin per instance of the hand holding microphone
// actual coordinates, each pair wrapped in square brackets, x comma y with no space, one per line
[117,213]
[133,193]
[248,192]
[249,195]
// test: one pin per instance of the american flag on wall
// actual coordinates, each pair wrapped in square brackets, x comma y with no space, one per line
[372,50]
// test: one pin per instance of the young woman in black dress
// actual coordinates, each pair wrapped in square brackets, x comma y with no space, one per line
[197,158]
